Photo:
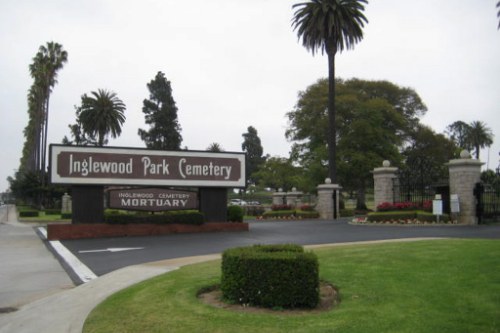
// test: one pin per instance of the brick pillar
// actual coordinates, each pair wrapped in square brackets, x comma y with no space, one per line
[326,194]
[293,198]
[384,183]
[464,174]
[279,198]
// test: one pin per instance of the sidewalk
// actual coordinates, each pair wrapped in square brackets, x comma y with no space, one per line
[39,293]
[28,270]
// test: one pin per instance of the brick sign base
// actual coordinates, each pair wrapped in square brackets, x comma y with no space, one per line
[79,231]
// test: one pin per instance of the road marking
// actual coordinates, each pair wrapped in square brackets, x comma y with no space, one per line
[81,270]
[112,249]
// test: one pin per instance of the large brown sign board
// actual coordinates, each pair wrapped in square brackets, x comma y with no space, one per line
[132,166]
[152,199]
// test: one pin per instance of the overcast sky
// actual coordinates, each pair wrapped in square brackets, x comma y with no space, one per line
[238,63]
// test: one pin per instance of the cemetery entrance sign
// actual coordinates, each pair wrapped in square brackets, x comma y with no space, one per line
[130,166]
[89,169]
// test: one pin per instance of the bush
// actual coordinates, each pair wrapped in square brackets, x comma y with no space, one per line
[28,213]
[307,208]
[52,212]
[235,214]
[420,216]
[271,276]
[66,216]
[254,210]
[291,213]
[181,217]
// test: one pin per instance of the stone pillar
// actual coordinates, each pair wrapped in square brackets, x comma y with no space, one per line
[293,198]
[66,204]
[279,198]
[384,183]
[464,174]
[326,207]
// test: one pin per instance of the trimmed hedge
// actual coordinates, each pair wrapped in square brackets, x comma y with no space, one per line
[28,213]
[52,212]
[291,213]
[272,276]
[407,215]
[66,216]
[188,217]
[235,213]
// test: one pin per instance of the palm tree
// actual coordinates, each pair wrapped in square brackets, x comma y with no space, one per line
[498,14]
[47,62]
[215,148]
[102,114]
[479,136]
[330,26]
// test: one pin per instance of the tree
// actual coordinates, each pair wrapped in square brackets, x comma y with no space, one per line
[458,132]
[473,136]
[44,68]
[160,113]
[479,136]
[278,172]
[375,120]
[253,148]
[330,26]
[101,115]
[79,136]
[498,14]
[215,148]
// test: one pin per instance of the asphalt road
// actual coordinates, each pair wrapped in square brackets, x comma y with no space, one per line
[99,255]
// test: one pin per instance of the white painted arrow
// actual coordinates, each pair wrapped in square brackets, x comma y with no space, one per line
[113,249]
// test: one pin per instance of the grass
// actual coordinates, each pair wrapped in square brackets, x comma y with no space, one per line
[42,218]
[426,286]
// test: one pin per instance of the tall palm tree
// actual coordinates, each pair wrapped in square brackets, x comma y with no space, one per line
[498,14]
[330,26]
[102,114]
[479,136]
[46,63]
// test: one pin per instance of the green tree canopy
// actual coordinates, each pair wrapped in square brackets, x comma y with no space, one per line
[253,148]
[215,148]
[160,113]
[330,26]
[472,137]
[375,122]
[101,114]
[279,172]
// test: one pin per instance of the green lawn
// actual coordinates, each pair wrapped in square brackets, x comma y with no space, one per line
[426,286]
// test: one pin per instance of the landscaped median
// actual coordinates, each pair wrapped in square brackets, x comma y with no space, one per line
[424,286]
[122,224]
[404,213]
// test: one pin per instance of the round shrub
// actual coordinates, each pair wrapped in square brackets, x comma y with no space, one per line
[235,213]
[271,276]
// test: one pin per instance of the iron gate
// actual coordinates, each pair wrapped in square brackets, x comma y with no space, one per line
[487,202]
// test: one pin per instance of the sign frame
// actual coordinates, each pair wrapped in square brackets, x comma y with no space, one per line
[218,165]
[188,200]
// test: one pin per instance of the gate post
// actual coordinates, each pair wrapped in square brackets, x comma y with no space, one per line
[384,183]
[464,174]
[328,200]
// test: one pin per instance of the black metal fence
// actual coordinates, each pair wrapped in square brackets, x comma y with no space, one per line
[487,202]
[418,182]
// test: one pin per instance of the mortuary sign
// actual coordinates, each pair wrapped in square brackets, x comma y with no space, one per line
[152,199]
[133,166]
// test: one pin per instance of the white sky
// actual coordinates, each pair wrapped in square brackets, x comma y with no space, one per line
[233,64]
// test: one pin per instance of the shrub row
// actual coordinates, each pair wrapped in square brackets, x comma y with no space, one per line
[52,212]
[271,276]
[406,215]
[28,213]
[181,217]
[291,213]
[254,210]
[404,206]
